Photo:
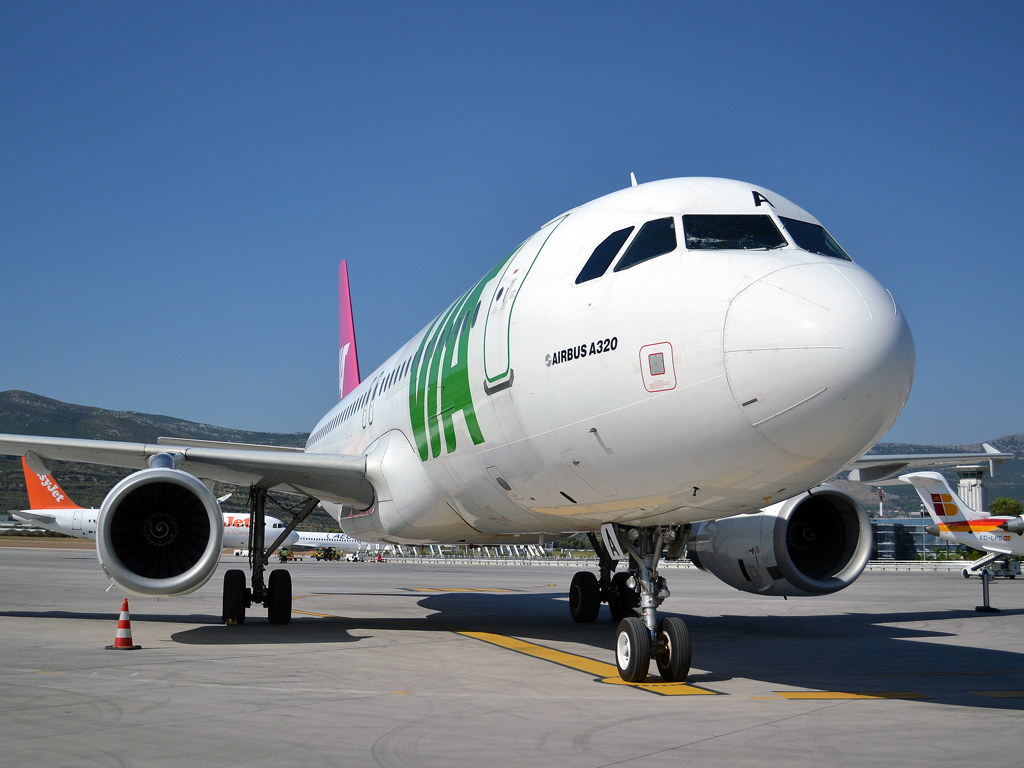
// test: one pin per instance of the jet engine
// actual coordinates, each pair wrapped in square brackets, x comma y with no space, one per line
[813,544]
[159,533]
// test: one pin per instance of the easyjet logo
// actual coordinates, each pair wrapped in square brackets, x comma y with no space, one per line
[47,482]
[236,522]
[943,505]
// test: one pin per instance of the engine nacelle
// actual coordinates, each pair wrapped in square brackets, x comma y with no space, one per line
[813,544]
[159,533]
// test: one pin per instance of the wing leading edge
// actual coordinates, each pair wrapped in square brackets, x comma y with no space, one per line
[876,468]
[336,478]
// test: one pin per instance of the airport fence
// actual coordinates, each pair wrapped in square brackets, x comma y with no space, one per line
[591,562]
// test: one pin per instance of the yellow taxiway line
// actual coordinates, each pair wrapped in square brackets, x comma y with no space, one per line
[1000,694]
[607,673]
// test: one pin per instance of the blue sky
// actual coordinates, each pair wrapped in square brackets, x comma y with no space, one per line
[178,182]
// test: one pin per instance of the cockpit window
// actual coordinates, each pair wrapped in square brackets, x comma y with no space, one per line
[603,255]
[731,232]
[654,239]
[813,238]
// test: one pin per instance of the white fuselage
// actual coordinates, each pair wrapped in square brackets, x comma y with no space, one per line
[339,541]
[696,385]
[984,535]
[81,523]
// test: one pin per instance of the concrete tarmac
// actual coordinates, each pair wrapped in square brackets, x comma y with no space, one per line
[412,665]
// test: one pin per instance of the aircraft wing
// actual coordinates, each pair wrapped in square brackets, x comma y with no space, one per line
[25,516]
[878,468]
[331,477]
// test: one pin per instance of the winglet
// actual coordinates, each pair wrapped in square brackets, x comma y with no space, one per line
[993,464]
[43,491]
[348,362]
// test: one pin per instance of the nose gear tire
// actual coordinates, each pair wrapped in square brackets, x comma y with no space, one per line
[584,598]
[674,654]
[632,650]
[234,597]
[279,597]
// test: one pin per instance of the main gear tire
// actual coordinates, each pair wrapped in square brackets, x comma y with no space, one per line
[279,597]
[233,612]
[621,599]
[584,598]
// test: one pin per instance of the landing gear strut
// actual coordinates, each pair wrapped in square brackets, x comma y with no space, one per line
[276,595]
[633,598]
[639,637]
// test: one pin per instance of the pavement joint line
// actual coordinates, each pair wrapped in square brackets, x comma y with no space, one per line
[832,695]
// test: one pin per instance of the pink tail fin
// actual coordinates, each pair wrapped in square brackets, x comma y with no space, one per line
[348,362]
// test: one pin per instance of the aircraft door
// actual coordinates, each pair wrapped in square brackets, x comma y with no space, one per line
[76,521]
[498,373]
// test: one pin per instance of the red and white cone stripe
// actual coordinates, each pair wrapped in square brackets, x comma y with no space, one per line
[123,636]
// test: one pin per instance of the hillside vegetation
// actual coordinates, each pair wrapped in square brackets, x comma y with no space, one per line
[23,413]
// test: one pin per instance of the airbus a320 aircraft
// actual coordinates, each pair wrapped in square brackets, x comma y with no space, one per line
[953,520]
[677,352]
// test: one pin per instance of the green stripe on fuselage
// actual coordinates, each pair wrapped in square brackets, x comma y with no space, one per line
[439,386]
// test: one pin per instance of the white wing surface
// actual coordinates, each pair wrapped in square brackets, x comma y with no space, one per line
[876,468]
[330,477]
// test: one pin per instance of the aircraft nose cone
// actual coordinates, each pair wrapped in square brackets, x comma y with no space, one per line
[819,359]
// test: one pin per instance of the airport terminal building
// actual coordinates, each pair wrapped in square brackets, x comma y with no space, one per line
[903,538]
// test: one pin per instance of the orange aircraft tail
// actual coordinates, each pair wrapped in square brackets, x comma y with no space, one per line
[44,492]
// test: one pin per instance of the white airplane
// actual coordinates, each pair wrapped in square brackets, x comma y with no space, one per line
[677,352]
[953,520]
[339,541]
[51,508]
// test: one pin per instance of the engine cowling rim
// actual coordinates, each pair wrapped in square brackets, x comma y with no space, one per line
[855,560]
[192,578]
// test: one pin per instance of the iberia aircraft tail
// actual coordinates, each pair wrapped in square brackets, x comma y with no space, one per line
[348,362]
[940,500]
[44,492]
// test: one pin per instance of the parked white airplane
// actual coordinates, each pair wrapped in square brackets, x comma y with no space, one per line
[681,351]
[51,508]
[953,520]
[316,539]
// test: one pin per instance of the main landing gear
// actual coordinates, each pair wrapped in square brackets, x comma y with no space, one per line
[633,598]
[276,594]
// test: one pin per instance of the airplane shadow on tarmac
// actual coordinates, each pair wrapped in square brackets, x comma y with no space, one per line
[839,652]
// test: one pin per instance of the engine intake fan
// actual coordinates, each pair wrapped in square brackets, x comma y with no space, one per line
[160,533]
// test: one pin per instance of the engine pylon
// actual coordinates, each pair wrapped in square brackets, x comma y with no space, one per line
[123,636]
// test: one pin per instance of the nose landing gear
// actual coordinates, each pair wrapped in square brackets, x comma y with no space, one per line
[634,598]
[667,640]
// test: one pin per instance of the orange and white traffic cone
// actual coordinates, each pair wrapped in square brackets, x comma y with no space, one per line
[123,637]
